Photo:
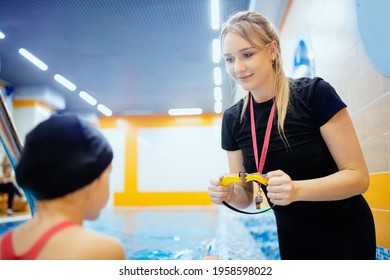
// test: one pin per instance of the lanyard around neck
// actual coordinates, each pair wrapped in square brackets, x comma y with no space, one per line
[260,164]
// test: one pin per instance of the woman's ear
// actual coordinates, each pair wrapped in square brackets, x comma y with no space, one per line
[273,47]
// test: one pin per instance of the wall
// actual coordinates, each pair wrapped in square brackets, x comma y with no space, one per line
[340,58]
[27,114]
[163,160]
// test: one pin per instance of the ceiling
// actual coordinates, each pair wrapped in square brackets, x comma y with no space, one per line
[133,56]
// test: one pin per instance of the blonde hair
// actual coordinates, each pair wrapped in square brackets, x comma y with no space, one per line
[260,32]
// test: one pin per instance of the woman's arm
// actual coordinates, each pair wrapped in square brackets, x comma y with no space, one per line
[351,179]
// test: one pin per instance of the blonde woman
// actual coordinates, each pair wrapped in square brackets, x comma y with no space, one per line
[311,157]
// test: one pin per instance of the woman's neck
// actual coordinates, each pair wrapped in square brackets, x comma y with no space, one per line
[265,93]
[261,96]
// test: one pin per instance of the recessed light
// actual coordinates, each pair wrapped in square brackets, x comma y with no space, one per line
[185,111]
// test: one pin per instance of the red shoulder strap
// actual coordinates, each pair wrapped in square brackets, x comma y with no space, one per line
[32,253]
[7,251]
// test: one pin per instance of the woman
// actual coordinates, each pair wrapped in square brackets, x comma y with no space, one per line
[312,158]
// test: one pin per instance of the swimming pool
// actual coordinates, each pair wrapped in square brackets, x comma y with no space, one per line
[187,233]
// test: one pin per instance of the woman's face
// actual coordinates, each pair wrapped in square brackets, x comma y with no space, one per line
[250,67]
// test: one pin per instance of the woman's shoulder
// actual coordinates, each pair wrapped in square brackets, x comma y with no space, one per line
[305,85]
[234,111]
[316,95]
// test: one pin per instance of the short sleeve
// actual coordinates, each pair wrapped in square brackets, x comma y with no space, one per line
[323,100]
[228,139]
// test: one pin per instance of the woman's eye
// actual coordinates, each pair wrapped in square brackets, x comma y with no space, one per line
[246,55]
[228,59]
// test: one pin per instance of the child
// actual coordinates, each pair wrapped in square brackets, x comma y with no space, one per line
[65,165]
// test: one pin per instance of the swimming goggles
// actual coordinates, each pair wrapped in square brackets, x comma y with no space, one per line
[248,177]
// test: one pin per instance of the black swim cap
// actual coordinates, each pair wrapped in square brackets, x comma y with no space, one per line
[61,155]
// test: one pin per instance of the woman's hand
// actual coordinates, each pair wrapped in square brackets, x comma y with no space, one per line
[219,193]
[280,188]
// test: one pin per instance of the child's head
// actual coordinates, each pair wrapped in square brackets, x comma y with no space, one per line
[61,155]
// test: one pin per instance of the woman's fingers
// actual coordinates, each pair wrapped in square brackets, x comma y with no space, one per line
[280,187]
[219,193]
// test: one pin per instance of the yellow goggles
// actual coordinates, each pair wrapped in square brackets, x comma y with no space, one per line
[237,178]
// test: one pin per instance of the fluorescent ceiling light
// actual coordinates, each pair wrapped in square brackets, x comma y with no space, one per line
[215,14]
[2,35]
[33,59]
[104,110]
[218,107]
[65,82]
[216,51]
[217,76]
[185,111]
[217,94]
[88,98]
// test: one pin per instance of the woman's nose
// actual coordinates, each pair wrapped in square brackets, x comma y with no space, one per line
[239,66]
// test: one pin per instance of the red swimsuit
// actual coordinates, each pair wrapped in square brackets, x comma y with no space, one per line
[7,250]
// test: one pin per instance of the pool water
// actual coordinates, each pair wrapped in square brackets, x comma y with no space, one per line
[8,225]
[245,237]
[190,233]
[187,233]
[159,233]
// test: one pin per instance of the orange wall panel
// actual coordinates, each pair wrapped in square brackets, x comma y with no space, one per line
[378,197]
[378,194]
[382,228]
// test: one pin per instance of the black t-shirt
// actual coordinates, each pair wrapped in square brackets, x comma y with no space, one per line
[313,102]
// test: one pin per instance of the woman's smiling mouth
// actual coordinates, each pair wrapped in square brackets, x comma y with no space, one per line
[245,78]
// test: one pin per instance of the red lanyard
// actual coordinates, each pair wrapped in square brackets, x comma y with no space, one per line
[260,164]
